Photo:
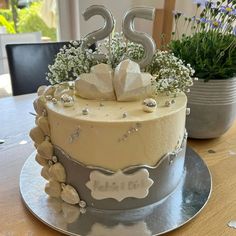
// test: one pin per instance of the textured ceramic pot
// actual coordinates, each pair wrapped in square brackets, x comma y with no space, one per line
[213,108]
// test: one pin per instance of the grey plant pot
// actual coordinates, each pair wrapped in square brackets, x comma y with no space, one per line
[211,117]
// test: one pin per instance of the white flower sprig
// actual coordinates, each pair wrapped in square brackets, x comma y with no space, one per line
[170,74]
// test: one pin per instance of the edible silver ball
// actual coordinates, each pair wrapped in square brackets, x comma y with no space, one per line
[167,103]
[82,204]
[149,105]
[85,111]
[54,100]
[125,114]
[187,111]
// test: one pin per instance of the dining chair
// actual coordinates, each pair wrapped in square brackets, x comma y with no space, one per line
[33,37]
[28,64]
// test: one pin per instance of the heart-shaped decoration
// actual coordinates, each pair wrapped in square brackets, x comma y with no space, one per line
[70,213]
[97,84]
[39,105]
[45,149]
[130,84]
[53,189]
[44,125]
[36,135]
[41,161]
[45,172]
[57,172]
[70,195]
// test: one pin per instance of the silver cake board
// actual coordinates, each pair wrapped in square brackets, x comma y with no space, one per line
[188,199]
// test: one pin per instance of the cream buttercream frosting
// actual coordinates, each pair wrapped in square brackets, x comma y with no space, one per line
[104,137]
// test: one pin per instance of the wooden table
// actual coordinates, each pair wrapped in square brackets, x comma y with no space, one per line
[15,123]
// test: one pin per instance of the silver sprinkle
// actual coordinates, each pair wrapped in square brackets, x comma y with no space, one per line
[188,111]
[82,210]
[124,115]
[167,103]
[85,111]
[82,204]
[173,101]
[136,129]
[54,101]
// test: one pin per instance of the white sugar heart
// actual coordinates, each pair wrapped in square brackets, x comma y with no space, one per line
[45,172]
[36,135]
[45,149]
[57,172]
[130,84]
[96,85]
[53,189]
[70,195]
[70,213]
[41,161]
[44,125]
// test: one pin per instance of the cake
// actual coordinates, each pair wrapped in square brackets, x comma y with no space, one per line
[113,137]
[109,154]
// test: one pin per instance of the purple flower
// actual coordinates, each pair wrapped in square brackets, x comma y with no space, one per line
[215,24]
[227,10]
[204,20]
[233,12]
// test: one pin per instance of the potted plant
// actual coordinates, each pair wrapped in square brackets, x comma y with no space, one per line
[209,45]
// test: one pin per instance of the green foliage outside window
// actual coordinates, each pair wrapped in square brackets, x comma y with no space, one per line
[28,21]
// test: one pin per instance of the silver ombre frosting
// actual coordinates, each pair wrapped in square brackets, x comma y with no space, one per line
[166,175]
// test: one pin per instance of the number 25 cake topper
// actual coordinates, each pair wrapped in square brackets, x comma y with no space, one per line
[128,29]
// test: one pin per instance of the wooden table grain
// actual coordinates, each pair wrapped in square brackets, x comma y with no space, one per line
[15,123]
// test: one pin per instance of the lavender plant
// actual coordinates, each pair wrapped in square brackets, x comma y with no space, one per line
[210,45]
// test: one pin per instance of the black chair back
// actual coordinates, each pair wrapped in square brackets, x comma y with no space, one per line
[28,65]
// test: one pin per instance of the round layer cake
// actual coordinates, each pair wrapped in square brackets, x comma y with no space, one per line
[116,135]
[109,154]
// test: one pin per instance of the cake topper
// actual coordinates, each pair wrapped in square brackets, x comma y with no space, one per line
[101,33]
[139,37]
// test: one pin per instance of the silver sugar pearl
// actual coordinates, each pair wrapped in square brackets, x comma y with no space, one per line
[82,210]
[54,100]
[54,159]
[187,111]
[82,204]
[66,98]
[85,111]
[149,105]
[125,114]
[167,103]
